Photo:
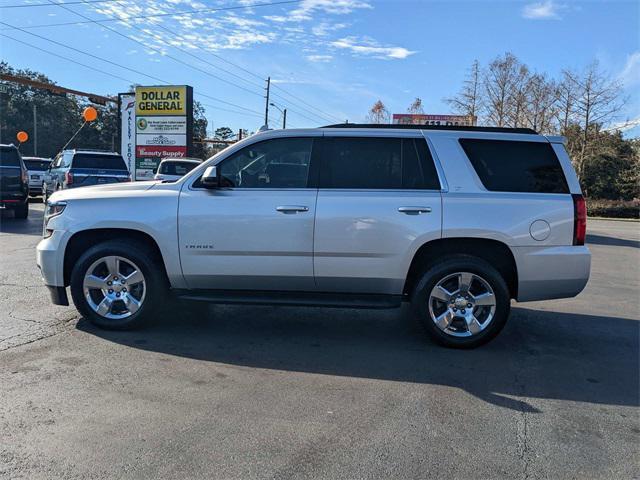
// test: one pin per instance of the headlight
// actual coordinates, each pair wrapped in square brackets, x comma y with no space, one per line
[53,209]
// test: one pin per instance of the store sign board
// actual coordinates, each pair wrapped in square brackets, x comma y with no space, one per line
[164,126]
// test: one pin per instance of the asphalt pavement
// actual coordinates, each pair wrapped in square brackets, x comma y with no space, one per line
[272,392]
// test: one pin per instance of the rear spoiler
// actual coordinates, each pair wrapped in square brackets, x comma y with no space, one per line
[556,139]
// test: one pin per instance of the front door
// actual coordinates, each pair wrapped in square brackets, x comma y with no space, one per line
[255,232]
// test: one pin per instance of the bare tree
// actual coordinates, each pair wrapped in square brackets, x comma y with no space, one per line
[378,113]
[499,83]
[542,104]
[598,101]
[416,107]
[518,95]
[566,96]
[467,101]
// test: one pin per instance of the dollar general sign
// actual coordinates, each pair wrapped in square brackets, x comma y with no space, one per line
[170,100]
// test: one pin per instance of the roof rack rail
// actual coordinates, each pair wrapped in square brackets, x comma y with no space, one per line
[92,150]
[400,126]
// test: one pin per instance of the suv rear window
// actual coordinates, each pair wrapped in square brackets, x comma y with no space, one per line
[9,157]
[102,162]
[38,165]
[377,163]
[514,166]
[176,168]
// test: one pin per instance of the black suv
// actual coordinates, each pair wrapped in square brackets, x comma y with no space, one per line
[14,182]
[80,168]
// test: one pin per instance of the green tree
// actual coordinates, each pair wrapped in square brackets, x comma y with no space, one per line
[224,133]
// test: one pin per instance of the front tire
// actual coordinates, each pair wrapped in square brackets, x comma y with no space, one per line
[462,301]
[117,285]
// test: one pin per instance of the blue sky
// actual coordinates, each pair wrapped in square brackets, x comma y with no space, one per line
[329,60]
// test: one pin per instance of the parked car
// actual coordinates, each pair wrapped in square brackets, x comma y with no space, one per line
[172,169]
[81,168]
[36,168]
[456,221]
[14,183]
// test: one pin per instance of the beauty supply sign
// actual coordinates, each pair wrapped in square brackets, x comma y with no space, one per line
[164,126]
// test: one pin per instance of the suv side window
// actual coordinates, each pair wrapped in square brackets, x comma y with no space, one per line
[377,163]
[275,163]
[515,166]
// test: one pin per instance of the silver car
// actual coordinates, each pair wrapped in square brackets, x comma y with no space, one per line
[457,221]
[36,168]
[172,169]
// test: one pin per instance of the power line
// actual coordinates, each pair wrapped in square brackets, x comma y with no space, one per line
[154,15]
[175,59]
[128,80]
[25,5]
[321,114]
[138,72]
[185,52]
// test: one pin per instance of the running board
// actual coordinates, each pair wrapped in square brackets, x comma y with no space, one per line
[310,299]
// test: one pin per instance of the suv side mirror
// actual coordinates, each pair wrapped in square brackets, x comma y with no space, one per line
[210,178]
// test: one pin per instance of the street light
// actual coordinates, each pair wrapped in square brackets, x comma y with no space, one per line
[284,115]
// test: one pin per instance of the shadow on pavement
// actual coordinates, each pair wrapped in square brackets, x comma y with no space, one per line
[29,226]
[612,241]
[540,354]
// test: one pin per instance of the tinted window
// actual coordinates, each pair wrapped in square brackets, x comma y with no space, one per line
[506,166]
[277,163]
[377,163]
[9,157]
[39,165]
[102,162]
[176,168]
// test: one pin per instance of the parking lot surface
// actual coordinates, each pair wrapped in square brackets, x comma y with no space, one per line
[265,392]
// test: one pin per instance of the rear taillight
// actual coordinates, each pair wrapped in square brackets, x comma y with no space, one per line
[68,178]
[25,176]
[579,219]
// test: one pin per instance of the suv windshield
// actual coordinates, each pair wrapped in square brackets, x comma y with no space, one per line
[176,168]
[96,160]
[9,157]
[39,165]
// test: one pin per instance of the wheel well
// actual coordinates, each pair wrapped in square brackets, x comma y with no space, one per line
[496,253]
[85,239]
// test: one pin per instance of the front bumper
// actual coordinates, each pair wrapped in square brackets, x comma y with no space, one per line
[50,258]
[545,273]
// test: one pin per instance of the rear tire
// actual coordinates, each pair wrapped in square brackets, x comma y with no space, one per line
[461,301]
[116,285]
[22,211]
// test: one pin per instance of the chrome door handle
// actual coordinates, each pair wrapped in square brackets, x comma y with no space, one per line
[292,208]
[414,210]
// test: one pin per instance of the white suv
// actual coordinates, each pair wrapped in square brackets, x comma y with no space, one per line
[457,221]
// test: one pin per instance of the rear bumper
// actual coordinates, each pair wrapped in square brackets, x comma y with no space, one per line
[545,273]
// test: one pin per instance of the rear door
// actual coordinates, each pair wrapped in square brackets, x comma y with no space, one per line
[379,199]
[96,169]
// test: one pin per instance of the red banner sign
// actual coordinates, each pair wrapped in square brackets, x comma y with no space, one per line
[161,151]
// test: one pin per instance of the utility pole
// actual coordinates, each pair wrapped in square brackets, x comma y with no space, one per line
[35,131]
[284,119]
[266,107]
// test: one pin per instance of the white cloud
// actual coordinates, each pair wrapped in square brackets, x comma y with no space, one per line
[368,47]
[630,74]
[308,8]
[546,10]
[319,58]
[324,28]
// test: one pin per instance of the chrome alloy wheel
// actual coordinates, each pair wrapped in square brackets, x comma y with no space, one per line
[114,287]
[462,304]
